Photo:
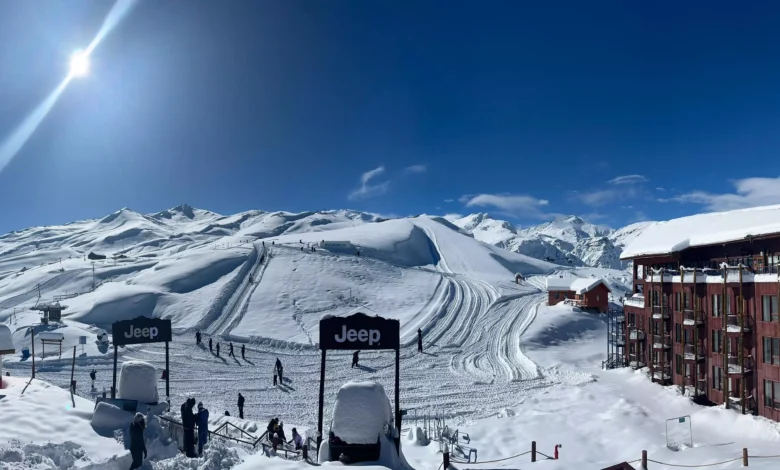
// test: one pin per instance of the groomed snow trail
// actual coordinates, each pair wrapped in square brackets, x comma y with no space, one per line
[473,365]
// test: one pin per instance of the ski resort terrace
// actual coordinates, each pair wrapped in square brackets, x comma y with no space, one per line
[714,276]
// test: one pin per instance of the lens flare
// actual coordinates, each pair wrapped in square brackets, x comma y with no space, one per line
[79,64]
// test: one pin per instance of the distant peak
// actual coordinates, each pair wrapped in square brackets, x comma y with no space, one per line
[185,209]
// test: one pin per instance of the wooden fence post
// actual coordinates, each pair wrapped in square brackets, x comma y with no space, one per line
[644,460]
[744,457]
[533,451]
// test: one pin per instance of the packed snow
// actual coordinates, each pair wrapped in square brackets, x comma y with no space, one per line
[498,364]
[675,235]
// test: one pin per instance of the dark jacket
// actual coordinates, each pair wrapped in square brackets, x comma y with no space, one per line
[137,436]
[240,400]
[187,416]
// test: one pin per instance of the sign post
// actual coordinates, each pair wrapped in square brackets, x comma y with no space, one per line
[360,332]
[141,330]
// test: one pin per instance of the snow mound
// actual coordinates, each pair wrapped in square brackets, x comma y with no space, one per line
[361,412]
[138,381]
[108,418]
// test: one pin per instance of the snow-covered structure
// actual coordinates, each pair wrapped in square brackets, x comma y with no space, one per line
[138,381]
[6,347]
[586,293]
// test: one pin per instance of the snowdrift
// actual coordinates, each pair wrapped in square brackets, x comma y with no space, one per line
[138,381]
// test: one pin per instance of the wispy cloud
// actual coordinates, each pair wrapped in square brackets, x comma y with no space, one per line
[749,192]
[416,169]
[628,179]
[368,190]
[621,188]
[449,200]
[515,205]
[660,189]
[453,217]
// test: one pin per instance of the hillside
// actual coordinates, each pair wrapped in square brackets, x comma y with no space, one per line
[567,240]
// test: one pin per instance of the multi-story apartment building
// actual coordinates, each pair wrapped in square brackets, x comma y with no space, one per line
[704,313]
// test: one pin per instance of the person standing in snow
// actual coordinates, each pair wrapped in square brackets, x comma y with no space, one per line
[276,373]
[137,444]
[355,359]
[197,337]
[280,369]
[210,349]
[275,442]
[272,427]
[243,349]
[188,423]
[240,405]
[419,340]
[93,376]
[217,348]
[231,351]
[297,439]
[203,427]
[280,432]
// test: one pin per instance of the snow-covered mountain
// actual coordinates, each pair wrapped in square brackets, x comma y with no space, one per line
[565,240]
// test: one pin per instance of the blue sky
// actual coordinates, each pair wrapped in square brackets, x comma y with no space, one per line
[616,111]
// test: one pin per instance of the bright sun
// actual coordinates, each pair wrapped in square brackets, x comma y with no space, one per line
[79,64]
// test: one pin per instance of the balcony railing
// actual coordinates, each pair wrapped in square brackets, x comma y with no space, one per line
[660,312]
[735,368]
[619,339]
[636,334]
[693,353]
[691,317]
[732,324]
[662,341]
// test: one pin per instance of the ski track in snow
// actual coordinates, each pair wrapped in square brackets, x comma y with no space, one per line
[473,364]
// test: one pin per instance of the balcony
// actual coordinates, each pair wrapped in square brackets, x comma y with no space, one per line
[662,373]
[691,317]
[636,334]
[618,338]
[693,353]
[660,312]
[736,369]
[662,341]
[732,324]
[695,386]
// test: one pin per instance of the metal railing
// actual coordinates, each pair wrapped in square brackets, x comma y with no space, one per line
[662,341]
[733,322]
[692,351]
[691,316]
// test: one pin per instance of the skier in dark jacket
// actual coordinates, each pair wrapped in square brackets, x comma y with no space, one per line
[210,349]
[93,376]
[188,423]
[203,427]
[355,359]
[197,337]
[273,425]
[243,350]
[231,352]
[279,369]
[137,444]
[419,340]
[217,349]
[240,406]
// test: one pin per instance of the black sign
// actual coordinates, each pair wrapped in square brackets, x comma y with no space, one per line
[359,331]
[141,330]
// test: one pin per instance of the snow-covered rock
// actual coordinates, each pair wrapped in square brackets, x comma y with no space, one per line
[362,412]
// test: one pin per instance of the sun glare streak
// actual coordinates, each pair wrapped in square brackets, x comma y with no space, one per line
[79,66]
[120,9]
[21,134]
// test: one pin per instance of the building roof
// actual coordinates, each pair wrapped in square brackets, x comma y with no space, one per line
[579,285]
[664,238]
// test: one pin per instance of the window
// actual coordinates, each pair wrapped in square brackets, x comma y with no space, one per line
[687,336]
[717,378]
[717,305]
[677,301]
[717,341]
[678,362]
[686,301]
[677,333]
[557,295]
[772,352]
[769,309]
[632,319]
[771,394]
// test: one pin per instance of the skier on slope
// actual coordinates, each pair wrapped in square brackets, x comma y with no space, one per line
[419,340]
[240,405]
[355,359]
[197,337]
[210,349]
[231,351]
[243,349]
[93,376]
[217,348]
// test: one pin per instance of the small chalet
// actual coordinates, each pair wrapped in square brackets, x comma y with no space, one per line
[586,293]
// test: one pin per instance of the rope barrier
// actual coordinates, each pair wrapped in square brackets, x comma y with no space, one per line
[694,466]
[492,461]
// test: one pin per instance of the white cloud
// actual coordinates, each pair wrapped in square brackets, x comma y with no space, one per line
[416,169]
[453,217]
[508,204]
[750,192]
[367,190]
[449,200]
[660,189]
[628,179]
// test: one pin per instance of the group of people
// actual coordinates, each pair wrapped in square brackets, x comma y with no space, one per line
[275,433]
[189,420]
[199,337]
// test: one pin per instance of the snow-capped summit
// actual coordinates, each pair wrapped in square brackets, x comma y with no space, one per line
[567,240]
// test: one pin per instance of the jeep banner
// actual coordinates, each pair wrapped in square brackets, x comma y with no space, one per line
[141,330]
[359,331]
